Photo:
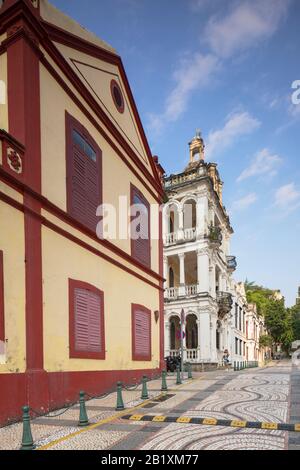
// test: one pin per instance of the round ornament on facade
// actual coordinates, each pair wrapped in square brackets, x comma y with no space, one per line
[117,96]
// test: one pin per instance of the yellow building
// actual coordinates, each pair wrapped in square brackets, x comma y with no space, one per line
[76,311]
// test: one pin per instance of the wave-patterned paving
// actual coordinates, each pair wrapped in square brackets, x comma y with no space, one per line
[260,396]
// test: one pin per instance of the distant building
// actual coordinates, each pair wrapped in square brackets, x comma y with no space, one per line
[298,298]
[197,261]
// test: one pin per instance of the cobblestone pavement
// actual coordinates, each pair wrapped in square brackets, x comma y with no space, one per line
[270,394]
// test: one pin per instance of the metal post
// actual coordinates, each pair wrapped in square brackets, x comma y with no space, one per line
[145,395]
[83,418]
[190,374]
[181,342]
[164,386]
[27,440]
[120,403]
[178,378]
[234,365]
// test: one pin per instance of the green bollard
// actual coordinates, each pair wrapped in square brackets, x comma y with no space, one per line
[164,386]
[145,395]
[178,377]
[120,403]
[27,440]
[83,418]
[190,373]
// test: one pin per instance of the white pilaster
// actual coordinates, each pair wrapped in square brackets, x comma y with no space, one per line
[203,270]
[181,274]
[204,336]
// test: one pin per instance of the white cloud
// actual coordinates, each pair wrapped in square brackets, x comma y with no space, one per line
[192,73]
[263,163]
[287,197]
[236,125]
[246,24]
[244,202]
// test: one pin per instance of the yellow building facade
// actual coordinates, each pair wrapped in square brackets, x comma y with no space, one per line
[76,311]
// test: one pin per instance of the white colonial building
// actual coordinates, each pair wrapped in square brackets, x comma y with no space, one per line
[197,261]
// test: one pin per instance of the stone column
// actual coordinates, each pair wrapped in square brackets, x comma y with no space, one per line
[204,336]
[180,233]
[203,270]
[181,274]
[167,337]
[202,214]
[213,326]
[166,272]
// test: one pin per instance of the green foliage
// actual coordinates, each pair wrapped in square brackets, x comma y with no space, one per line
[265,341]
[295,321]
[281,323]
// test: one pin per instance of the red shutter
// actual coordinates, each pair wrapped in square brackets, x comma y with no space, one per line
[2,328]
[87,338]
[140,247]
[83,175]
[141,333]
[87,321]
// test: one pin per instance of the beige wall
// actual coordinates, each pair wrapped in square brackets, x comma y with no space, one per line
[116,175]
[62,259]
[12,245]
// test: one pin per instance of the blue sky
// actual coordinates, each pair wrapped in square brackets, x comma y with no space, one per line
[226,67]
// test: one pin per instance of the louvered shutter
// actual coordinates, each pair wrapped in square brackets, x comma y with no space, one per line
[84,175]
[141,245]
[142,333]
[88,326]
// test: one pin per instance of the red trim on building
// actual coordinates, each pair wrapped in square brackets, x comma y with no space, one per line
[62,215]
[62,388]
[64,37]
[139,245]
[114,87]
[74,239]
[24,125]
[135,308]
[74,353]
[2,318]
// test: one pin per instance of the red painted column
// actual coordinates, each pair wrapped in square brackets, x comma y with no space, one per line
[161,294]
[24,125]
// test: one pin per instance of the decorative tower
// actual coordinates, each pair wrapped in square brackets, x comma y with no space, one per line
[197,261]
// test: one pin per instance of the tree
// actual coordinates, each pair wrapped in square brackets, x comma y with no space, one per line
[265,341]
[295,320]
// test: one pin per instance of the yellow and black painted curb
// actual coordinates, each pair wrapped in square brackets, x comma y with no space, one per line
[214,422]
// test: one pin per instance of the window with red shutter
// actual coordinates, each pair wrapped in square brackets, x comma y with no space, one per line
[140,246]
[141,333]
[86,321]
[84,178]
[2,324]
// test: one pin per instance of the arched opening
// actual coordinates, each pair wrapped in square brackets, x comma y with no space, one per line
[171,223]
[189,214]
[171,277]
[174,333]
[191,331]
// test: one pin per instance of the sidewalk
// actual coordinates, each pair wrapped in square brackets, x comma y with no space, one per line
[100,411]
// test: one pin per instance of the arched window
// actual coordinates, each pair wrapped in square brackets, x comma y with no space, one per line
[171,277]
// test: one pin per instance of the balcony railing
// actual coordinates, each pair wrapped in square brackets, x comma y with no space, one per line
[172,293]
[189,234]
[190,355]
[225,301]
[231,263]
[191,290]
[171,238]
